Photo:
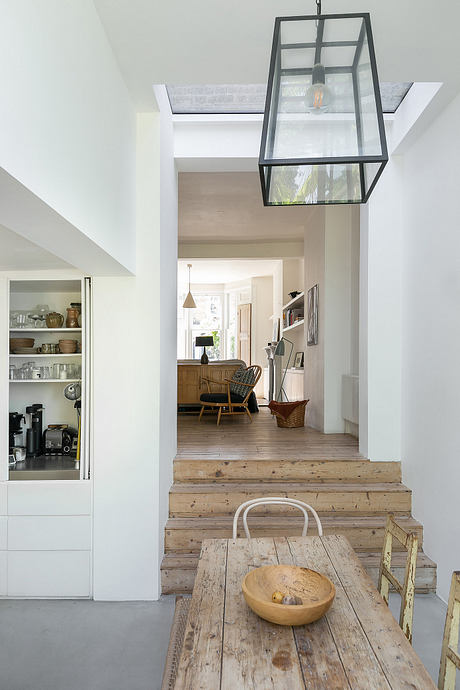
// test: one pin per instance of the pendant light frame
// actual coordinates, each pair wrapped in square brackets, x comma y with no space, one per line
[368,165]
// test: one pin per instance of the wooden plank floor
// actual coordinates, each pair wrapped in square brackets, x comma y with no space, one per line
[237,439]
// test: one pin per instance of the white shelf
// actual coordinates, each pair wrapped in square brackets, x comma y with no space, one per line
[55,354]
[299,298]
[45,330]
[294,325]
[43,380]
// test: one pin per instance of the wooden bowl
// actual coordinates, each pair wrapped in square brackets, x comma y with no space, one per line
[316,591]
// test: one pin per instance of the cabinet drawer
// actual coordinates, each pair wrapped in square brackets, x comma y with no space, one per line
[3,573]
[3,495]
[3,532]
[55,498]
[47,533]
[49,574]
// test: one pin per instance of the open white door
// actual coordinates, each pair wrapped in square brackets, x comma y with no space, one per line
[85,463]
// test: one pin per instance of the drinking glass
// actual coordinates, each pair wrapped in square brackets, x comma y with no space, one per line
[45,372]
[43,310]
[21,319]
[14,319]
[13,372]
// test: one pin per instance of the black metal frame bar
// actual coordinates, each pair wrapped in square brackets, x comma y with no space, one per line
[277,47]
[324,44]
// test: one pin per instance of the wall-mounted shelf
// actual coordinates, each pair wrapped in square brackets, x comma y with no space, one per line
[58,355]
[294,325]
[43,380]
[45,330]
[297,301]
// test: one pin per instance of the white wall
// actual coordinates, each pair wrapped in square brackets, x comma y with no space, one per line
[135,371]
[380,385]
[331,261]
[167,326]
[339,302]
[431,338]
[67,126]
[314,244]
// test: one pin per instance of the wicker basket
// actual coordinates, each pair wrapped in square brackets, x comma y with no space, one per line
[295,419]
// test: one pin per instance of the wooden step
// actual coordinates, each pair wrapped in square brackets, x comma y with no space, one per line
[184,535]
[343,470]
[200,500]
[178,571]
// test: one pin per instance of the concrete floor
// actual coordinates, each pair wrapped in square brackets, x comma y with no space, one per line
[75,645]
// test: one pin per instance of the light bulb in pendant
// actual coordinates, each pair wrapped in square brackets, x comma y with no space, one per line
[319,96]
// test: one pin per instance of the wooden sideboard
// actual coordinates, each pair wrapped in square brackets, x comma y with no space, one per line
[189,380]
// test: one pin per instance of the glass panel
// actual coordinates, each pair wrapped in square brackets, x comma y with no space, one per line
[370,144]
[329,111]
[312,184]
[370,171]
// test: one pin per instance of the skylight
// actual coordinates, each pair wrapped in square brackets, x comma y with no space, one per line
[250,98]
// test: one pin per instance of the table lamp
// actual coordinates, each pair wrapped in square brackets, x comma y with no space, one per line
[204,341]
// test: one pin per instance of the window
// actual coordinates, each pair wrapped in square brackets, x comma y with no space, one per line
[206,319]
[250,98]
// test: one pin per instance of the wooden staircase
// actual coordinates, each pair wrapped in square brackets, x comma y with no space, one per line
[352,496]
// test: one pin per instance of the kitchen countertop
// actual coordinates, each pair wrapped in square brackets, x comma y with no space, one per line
[45,467]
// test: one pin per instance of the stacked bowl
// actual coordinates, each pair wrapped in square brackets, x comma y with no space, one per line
[22,344]
[67,347]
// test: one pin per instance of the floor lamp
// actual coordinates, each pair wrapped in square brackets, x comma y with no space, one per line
[280,350]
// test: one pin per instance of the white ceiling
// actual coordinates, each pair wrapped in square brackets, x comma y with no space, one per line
[17,254]
[227,207]
[217,271]
[215,42]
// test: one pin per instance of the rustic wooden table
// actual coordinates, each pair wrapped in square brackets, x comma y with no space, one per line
[358,644]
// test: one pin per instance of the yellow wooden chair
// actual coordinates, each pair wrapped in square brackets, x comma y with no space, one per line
[450,659]
[386,578]
[231,402]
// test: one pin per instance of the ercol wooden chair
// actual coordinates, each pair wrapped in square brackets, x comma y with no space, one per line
[450,659]
[274,500]
[231,402]
[386,577]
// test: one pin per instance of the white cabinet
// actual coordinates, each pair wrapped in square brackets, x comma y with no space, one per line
[3,573]
[49,533]
[49,574]
[294,385]
[50,498]
[3,532]
[46,521]
[46,539]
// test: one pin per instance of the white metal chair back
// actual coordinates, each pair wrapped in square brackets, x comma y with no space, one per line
[275,500]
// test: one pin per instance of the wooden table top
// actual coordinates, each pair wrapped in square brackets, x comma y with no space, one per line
[358,644]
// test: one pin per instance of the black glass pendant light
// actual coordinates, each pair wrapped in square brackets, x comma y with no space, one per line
[323,136]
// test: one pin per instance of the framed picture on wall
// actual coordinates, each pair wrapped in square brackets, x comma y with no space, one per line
[276,330]
[298,361]
[312,325]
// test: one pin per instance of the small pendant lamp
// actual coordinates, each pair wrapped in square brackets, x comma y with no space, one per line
[189,301]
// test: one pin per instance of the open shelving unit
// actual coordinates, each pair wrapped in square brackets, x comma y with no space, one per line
[296,324]
[293,312]
[58,294]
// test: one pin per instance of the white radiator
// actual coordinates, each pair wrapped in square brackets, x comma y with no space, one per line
[350,398]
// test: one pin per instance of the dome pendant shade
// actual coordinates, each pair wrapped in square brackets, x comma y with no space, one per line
[323,135]
[189,302]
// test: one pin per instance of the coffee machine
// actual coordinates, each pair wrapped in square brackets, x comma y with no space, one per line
[15,430]
[34,433]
